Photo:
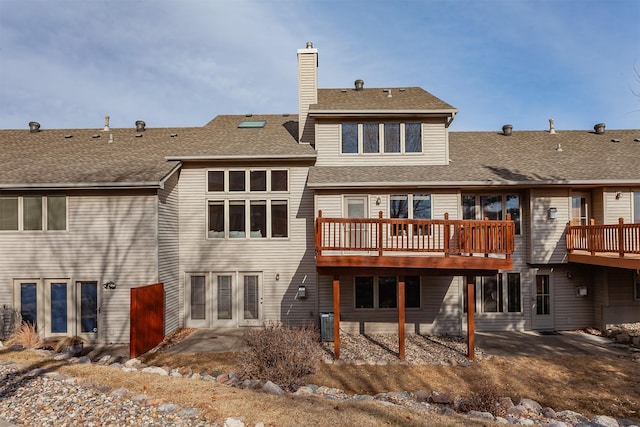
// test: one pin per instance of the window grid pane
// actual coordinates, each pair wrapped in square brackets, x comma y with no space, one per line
[58,308]
[29,303]
[412,291]
[88,307]
[198,298]
[250,297]
[237,224]
[349,138]
[32,213]
[258,180]
[412,137]
[279,219]
[215,181]
[491,207]
[8,213]
[56,213]
[237,181]
[513,293]
[216,219]
[371,137]
[636,207]
[392,137]
[279,180]
[224,297]
[387,292]
[364,292]
[258,212]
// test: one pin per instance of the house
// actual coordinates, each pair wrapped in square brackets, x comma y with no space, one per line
[365,204]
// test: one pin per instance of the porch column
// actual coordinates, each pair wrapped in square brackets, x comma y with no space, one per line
[401,317]
[336,317]
[471,308]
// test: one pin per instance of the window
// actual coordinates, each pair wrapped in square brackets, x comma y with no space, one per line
[237,214]
[493,295]
[414,206]
[349,138]
[33,213]
[637,285]
[636,207]
[492,206]
[378,138]
[382,292]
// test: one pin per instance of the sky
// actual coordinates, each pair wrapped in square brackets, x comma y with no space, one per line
[68,63]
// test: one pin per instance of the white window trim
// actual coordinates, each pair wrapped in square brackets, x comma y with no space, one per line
[247,180]
[44,222]
[403,150]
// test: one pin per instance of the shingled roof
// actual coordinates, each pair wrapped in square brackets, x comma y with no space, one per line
[411,99]
[81,158]
[526,158]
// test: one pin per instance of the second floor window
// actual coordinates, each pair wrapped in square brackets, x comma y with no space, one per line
[381,138]
[492,206]
[33,213]
[636,207]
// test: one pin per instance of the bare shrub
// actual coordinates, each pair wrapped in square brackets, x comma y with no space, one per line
[10,320]
[27,336]
[487,398]
[283,355]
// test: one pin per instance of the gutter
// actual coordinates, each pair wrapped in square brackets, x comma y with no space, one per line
[241,157]
[319,113]
[82,185]
[458,184]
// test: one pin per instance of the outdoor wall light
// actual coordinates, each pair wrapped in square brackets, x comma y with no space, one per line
[552,213]
[569,275]
[109,285]
[619,195]
[581,291]
[378,201]
[277,276]
[302,292]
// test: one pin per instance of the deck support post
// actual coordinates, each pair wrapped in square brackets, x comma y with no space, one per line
[471,308]
[336,317]
[401,315]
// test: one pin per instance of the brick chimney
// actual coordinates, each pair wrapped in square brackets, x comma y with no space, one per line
[307,91]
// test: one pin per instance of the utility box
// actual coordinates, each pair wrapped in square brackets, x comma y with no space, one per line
[326,326]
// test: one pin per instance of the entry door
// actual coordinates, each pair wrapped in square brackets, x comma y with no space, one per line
[250,299]
[197,301]
[580,208]
[87,309]
[58,308]
[542,308]
[224,296]
[356,235]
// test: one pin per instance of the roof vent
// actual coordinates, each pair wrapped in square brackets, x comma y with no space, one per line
[559,147]
[173,135]
[599,128]
[615,140]
[309,45]
[68,136]
[106,124]
[507,130]
[95,135]
[359,84]
[34,127]
[140,126]
[552,130]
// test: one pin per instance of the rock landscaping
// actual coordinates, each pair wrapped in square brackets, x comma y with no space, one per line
[54,399]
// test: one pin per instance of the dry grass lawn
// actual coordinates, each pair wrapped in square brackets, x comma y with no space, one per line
[585,384]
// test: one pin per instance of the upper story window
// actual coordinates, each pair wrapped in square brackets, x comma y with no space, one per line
[249,203]
[381,138]
[33,213]
[242,181]
[492,206]
[413,206]
[636,207]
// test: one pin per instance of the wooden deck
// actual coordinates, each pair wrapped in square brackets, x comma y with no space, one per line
[445,245]
[609,245]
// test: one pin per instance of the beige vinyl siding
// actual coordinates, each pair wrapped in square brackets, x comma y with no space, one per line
[548,245]
[168,252]
[597,208]
[110,237]
[291,258]
[307,93]
[328,147]
[622,307]
[572,311]
[600,296]
[621,207]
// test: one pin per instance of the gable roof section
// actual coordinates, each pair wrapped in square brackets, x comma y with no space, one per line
[50,159]
[223,139]
[527,158]
[411,100]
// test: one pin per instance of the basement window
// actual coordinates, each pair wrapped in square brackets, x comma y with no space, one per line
[252,124]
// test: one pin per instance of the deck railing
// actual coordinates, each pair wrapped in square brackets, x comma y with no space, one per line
[380,235]
[618,238]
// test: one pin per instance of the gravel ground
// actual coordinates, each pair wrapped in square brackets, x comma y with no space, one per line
[383,348]
[50,399]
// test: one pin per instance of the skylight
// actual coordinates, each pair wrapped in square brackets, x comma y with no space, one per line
[252,124]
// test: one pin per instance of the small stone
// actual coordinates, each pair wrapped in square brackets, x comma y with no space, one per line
[84,359]
[233,422]
[421,395]
[188,412]
[442,398]
[555,423]
[517,411]
[605,421]
[481,414]
[222,378]
[531,405]
[119,392]
[623,338]
[155,370]
[271,388]
[549,413]
[168,407]
[133,363]
[303,391]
